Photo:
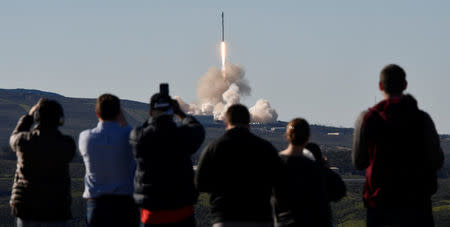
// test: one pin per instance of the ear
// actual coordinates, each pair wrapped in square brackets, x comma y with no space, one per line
[150,113]
[98,115]
[380,85]
[287,137]
[405,86]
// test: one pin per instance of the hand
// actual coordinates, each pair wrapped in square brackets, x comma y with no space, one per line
[35,107]
[177,109]
[121,119]
[325,162]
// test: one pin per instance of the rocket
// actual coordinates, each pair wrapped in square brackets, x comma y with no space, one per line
[223,29]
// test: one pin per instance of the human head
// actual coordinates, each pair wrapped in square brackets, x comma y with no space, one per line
[297,132]
[237,115]
[314,148]
[160,105]
[49,114]
[107,107]
[392,80]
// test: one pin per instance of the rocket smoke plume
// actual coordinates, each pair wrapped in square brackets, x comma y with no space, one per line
[218,89]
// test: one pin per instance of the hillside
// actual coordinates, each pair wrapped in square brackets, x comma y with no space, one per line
[79,115]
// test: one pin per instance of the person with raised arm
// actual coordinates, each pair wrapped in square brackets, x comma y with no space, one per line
[41,194]
[110,166]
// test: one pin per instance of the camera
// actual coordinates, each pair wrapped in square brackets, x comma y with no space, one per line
[164,102]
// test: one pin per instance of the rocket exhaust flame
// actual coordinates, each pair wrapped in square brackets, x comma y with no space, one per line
[223,47]
[223,55]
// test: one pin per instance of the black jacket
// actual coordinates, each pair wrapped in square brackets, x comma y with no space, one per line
[310,188]
[164,178]
[41,189]
[399,147]
[240,171]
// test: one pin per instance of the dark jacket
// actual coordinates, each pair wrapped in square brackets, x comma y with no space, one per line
[239,170]
[310,188]
[41,189]
[164,178]
[399,147]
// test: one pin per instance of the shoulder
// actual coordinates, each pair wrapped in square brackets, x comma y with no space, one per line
[21,138]
[85,134]
[127,129]
[308,154]
[264,143]
[68,140]
[426,116]
[137,133]
[366,117]
[427,121]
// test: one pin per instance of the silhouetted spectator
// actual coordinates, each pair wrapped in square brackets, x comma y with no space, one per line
[317,153]
[334,184]
[110,166]
[310,184]
[41,193]
[398,146]
[164,182]
[240,171]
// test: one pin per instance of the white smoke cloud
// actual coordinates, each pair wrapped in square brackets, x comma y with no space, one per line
[261,112]
[217,91]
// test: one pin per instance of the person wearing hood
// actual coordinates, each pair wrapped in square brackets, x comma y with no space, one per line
[398,146]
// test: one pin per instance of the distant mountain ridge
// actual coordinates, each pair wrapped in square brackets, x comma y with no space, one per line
[80,115]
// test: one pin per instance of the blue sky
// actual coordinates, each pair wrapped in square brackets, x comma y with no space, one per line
[314,59]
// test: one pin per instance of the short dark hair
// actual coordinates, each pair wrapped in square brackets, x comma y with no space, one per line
[108,107]
[393,79]
[49,114]
[237,114]
[297,131]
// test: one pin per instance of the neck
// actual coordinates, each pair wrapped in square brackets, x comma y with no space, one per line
[47,127]
[228,127]
[294,150]
[389,96]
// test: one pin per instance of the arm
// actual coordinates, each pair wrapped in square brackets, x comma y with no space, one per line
[433,148]
[360,151]
[192,131]
[205,174]
[336,189]
[193,134]
[135,135]
[280,194]
[72,147]
[24,125]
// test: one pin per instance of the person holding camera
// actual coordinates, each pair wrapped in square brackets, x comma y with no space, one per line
[164,180]
[41,193]
[110,166]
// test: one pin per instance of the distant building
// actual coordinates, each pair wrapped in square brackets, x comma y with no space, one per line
[333,134]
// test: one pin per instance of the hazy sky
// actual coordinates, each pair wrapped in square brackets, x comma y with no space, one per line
[315,60]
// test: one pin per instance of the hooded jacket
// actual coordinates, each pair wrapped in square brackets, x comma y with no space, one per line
[41,190]
[399,147]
